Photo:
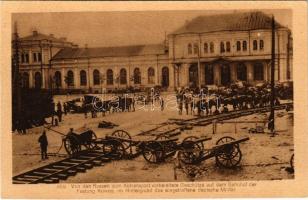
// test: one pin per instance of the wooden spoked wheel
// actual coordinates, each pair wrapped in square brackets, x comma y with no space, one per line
[114,148]
[194,138]
[124,135]
[72,144]
[191,152]
[228,155]
[153,152]
[292,161]
[90,143]
[169,146]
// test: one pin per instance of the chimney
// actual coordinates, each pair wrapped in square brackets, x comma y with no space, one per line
[35,33]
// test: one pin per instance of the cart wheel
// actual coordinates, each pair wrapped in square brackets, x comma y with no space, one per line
[292,161]
[114,148]
[90,144]
[228,156]
[194,138]
[153,152]
[71,144]
[169,147]
[125,135]
[191,152]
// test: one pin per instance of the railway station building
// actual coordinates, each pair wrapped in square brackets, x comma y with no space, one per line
[233,47]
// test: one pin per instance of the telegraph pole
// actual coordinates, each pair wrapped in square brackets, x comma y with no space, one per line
[272,114]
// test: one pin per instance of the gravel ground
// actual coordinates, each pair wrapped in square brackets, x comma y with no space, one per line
[264,157]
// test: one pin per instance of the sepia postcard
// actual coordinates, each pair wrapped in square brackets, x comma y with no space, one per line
[154,99]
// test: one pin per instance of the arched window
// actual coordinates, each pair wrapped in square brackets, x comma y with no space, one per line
[196,48]
[258,72]
[70,78]
[189,49]
[25,80]
[222,47]
[123,76]
[137,76]
[244,46]
[83,78]
[212,47]
[241,72]
[58,79]
[109,77]
[206,48]
[255,45]
[96,78]
[238,46]
[37,80]
[261,44]
[151,75]
[228,46]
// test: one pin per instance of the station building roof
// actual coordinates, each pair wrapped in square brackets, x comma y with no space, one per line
[239,21]
[134,50]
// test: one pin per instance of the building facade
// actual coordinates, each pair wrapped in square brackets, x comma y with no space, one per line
[233,47]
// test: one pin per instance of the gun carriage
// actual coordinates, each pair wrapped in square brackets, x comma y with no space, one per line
[191,150]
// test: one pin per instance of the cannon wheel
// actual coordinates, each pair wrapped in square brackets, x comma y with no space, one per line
[194,138]
[90,144]
[114,148]
[169,147]
[228,156]
[71,144]
[192,152]
[292,161]
[125,135]
[153,152]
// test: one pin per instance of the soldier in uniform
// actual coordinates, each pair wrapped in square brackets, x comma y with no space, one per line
[43,144]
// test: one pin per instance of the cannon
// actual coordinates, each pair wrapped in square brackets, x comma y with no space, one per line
[74,142]
[226,152]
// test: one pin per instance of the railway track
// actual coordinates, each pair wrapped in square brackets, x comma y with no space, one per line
[61,170]
[180,124]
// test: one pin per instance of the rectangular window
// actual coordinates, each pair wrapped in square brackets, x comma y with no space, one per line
[39,56]
[212,47]
[27,57]
[244,46]
[255,45]
[222,47]
[238,46]
[258,72]
[261,44]
[22,58]
[228,47]
[34,57]
[209,74]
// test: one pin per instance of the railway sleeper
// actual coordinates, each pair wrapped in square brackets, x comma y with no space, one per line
[88,165]
[80,169]
[97,162]
[26,179]
[62,176]
[69,163]
[50,180]
[40,173]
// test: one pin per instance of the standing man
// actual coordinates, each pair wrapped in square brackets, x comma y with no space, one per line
[43,144]
[59,111]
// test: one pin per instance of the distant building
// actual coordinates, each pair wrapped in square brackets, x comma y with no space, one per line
[208,50]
